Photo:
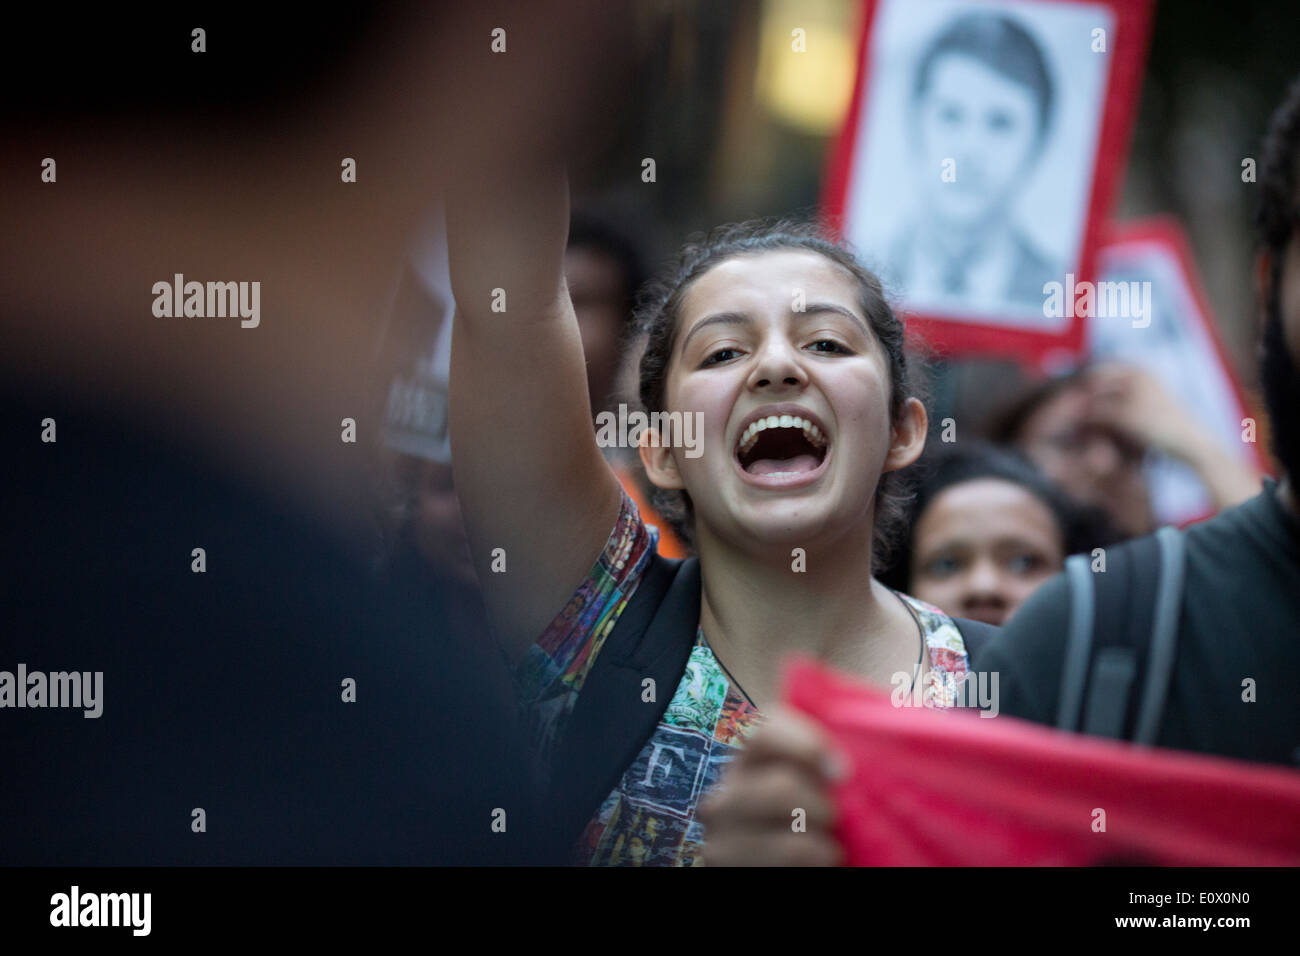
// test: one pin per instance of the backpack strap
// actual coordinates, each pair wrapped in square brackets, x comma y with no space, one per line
[1078,647]
[1123,628]
[611,720]
[1164,634]
[1123,598]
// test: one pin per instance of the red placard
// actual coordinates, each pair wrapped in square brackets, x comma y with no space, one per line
[987,63]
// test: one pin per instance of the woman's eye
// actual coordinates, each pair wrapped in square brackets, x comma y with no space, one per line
[721,355]
[830,345]
[941,567]
[1024,563]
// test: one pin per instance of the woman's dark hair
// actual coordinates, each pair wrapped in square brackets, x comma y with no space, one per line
[658,315]
[1082,528]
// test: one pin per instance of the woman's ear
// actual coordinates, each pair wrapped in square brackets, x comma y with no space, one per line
[908,436]
[657,459]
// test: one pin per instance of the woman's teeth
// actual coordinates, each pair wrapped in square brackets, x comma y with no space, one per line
[750,434]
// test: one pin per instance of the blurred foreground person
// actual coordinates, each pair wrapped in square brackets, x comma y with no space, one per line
[187,504]
[984,531]
[1222,649]
[277,706]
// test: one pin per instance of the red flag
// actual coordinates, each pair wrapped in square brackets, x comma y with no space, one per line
[935,787]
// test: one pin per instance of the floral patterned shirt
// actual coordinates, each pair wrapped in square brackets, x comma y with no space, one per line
[649,818]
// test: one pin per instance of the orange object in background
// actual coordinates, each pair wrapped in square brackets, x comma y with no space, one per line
[950,788]
[670,546]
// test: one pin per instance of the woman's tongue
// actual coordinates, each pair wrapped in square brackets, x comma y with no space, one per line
[769,466]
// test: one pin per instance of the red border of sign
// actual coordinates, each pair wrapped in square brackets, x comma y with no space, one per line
[938,333]
[1168,232]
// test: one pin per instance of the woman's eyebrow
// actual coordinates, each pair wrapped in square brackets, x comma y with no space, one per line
[740,318]
[815,307]
[718,318]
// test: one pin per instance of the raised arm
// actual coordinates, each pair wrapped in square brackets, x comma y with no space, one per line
[529,474]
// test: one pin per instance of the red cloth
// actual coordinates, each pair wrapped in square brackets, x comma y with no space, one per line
[948,787]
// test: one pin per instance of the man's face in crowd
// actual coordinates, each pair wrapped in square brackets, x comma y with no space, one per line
[597,286]
[1093,464]
[988,125]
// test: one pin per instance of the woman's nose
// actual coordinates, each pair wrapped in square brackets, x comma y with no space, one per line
[984,582]
[778,363]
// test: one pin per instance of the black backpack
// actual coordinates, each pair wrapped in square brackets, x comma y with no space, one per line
[610,723]
[1123,635]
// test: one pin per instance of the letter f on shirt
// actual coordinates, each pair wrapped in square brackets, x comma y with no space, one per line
[654,764]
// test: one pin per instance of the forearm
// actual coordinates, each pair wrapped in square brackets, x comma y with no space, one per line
[506,234]
[537,497]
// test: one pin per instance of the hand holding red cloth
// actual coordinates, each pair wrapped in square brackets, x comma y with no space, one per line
[934,787]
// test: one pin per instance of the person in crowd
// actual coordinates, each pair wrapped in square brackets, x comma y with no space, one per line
[984,530]
[1231,691]
[604,269]
[806,418]
[1090,431]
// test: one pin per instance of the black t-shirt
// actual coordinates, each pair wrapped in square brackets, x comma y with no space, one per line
[1240,620]
[224,690]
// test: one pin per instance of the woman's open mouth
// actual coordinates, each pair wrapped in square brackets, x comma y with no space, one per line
[782,451]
